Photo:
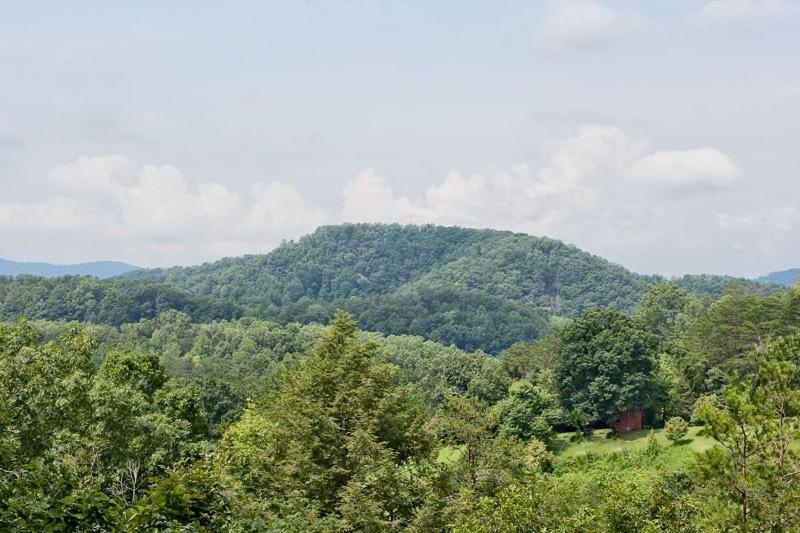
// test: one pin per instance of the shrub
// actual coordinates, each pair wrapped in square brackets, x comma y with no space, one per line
[653,446]
[676,429]
[580,422]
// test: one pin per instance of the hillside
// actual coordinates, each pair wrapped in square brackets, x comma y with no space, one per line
[103,301]
[98,269]
[478,289]
[786,278]
[363,260]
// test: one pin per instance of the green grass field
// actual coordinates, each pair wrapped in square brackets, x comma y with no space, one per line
[600,443]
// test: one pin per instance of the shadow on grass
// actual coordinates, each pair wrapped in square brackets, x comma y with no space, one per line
[557,445]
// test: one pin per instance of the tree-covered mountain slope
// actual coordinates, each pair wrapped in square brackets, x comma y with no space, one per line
[474,288]
[368,260]
[102,301]
[786,278]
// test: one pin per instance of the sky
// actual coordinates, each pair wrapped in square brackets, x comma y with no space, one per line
[660,135]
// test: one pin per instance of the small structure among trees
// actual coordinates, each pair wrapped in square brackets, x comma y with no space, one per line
[630,420]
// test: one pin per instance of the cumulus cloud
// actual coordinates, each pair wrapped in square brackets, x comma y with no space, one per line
[56,214]
[764,231]
[588,24]
[156,215]
[747,13]
[92,173]
[600,185]
[704,168]
[279,210]
[600,177]
[369,197]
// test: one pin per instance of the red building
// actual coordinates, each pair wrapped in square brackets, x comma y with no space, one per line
[628,421]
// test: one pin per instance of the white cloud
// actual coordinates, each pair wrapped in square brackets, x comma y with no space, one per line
[600,188]
[91,173]
[279,210]
[589,180]
[153,214]
[747,13]
[588,24]
[704,168]
[764,231]
[56,214]
[369,197]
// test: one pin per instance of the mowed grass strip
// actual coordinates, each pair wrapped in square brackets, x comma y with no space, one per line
[600,443]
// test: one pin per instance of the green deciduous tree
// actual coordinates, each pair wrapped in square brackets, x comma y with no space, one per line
[529,411]
[661,307]
[604,365]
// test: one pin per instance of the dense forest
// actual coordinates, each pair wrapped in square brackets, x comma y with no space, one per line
[111,301]
[338,264]
[475,289]
[219,422]
[397,266]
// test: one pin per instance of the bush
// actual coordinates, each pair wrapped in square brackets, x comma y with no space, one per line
[580,422]
[653,446]
[676,429]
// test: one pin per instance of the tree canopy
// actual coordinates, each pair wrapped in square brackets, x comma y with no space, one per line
[604,365]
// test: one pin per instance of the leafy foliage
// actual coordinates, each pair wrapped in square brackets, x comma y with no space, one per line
[755,421]
[340,434]
[244,424]
[676,428]
[78,444]
[113,301]
[477,289]
[605,365]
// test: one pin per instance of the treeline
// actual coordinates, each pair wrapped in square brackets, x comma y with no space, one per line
[109,301]
[477,289]
[699,346]
[247,425]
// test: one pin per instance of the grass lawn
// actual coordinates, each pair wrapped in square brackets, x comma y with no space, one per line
[600,443]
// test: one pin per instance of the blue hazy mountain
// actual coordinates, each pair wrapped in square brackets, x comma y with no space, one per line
[784,277]
[99,269]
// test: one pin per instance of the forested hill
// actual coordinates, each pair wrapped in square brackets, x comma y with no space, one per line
[102,301]
[473,288]
[98,269]
[349,261]
[784,277]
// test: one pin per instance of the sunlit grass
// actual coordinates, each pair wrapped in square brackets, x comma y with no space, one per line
[600,443]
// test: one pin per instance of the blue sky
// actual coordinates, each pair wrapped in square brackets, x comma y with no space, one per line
[661,135]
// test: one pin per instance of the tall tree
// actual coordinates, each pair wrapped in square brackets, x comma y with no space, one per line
[339,433]
[755,422]
[604,365]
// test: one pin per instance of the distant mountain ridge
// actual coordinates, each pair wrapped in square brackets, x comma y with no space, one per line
[787,278]
[98,269]
[475,288]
